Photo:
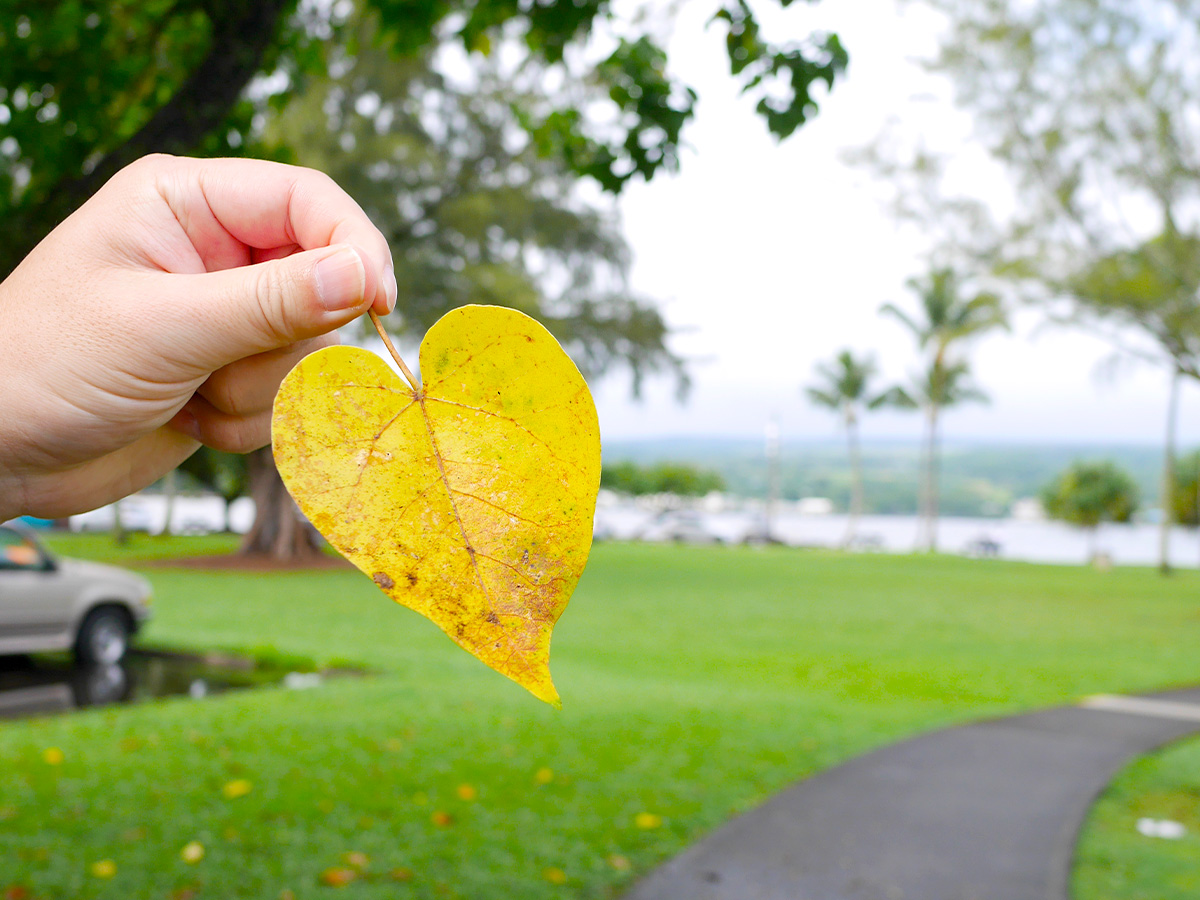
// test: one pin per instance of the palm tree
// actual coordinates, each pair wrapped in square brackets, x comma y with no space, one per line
[946,319]
[843,388]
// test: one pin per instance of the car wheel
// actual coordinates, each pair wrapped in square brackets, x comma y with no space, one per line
[103,637]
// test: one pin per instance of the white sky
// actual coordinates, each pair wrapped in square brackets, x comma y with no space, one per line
[770,257]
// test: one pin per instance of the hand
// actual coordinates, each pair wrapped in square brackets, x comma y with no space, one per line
[164,313]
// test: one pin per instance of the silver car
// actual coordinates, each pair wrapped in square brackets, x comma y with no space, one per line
[51,603]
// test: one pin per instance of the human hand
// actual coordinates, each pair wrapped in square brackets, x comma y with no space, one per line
[164,313]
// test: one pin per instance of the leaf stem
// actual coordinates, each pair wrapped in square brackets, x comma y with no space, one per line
[387,342]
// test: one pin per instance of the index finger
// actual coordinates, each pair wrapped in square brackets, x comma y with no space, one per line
[230,204]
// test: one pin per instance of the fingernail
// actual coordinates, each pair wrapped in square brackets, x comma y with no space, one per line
[341,280]
[391,289]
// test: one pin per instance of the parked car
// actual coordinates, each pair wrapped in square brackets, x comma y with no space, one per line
[53,603]
[683,526]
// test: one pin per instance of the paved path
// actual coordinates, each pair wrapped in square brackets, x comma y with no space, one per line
[988,811]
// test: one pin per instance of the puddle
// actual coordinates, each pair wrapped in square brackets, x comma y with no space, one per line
[43,685]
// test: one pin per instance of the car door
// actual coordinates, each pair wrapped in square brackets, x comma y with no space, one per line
[35,602]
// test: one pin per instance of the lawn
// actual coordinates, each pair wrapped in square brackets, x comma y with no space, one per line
[695,682]
[1116,861]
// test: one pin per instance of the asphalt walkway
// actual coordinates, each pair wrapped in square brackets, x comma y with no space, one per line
[987,811]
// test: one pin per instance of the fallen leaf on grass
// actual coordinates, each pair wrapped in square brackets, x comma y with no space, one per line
[337,877]
[103,868]
[53,756]
[467,792]
[192,852]
[647,820]
[441,819]
[469,499]
[544,776]
[239,787]
[16,892]
[356,860]
[554,875]
[618,862]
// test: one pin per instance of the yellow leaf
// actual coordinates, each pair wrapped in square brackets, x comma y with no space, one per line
[53,756]
[337,877]
[441,818]
[356,859]
[467,792]
[544,776]
[554,875]
[192,852]
[103,868]
[646,820]
[469,500]
[239,787]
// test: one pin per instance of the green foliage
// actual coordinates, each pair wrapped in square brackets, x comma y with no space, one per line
[1187,490]
[785,664]
[844,385]
[1155,288]
[223,473]
[86,88]
[660,478]
[1089,493]
[471,215]
[947,316]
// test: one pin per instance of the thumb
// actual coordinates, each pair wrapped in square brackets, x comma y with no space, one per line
[233,313]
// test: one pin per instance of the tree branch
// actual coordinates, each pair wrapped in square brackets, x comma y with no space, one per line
[241,34]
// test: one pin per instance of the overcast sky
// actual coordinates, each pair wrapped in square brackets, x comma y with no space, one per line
[770,257]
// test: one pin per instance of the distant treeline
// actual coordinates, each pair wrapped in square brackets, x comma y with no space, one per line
[976,480]
[660,478]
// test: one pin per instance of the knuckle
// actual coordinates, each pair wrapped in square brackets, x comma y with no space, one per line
[271,289]
[221,393]
[237,434]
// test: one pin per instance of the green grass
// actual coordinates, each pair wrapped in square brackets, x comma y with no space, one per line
[696,682]
[1116,862]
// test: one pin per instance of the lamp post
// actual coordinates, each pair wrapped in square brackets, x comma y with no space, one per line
[772,449]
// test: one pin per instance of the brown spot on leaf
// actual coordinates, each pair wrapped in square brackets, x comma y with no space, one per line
[384,580]
[493,618]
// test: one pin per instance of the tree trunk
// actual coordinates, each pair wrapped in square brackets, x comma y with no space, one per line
[279,530]
[119,535]
[1167,503]
[170,493]
[932,510]
[856,485]
[923,489]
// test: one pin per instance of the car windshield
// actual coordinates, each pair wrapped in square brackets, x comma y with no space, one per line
[18,551]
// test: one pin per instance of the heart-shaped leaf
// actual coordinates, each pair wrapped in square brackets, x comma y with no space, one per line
[470,499]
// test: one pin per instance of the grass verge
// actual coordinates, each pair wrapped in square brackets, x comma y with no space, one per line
[1115,861]
[696,683]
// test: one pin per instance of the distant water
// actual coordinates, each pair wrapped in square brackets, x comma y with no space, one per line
[1029,541]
